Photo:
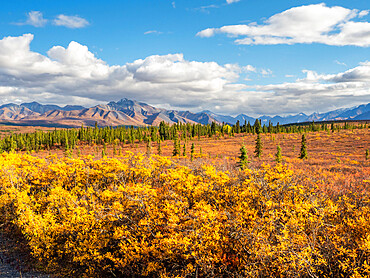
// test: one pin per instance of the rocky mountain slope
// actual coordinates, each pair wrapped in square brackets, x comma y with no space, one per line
[130,112]
[361,112]
[123,112]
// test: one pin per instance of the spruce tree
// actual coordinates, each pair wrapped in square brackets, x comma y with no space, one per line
[303,154]
[257,126]
[243,158]
[184,150]
[278,157]
[104,148]
[149,147]
[237,127]
[192,150]
[176,146]
[159,147]
[66,146]
[114,149]
[258,150]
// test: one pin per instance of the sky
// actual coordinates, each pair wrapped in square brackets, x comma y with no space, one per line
[228,56]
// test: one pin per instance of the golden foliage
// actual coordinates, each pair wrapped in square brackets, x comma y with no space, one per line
[140,216]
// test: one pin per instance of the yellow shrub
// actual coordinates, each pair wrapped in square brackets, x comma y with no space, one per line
[149,217]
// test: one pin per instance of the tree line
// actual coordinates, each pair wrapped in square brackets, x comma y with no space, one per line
[68,139]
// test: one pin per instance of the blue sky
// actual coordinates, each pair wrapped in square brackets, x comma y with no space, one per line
[253,57]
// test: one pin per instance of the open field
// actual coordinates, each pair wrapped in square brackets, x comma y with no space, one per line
[126,213]
[6,130]
[337,159]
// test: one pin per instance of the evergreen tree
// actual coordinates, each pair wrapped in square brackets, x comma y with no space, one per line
[104,147]
[278,156]
[66,145]
[258,150]
[243,158]
[159,148]
[192,150]
[176,146]
[184,150]
[213,128]
[149,147]
[367,154]
[303,154]
[237,127]
[13,144]
[114,148]
[278,130]
[257,126]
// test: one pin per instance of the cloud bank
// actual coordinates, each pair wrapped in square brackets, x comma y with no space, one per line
[74,75]
[302,25]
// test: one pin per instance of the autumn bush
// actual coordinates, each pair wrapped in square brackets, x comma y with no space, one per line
[137,216]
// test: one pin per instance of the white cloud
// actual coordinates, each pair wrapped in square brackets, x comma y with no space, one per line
[70,21]
[153,32]
[249,68]
[363,13]
[320,92]
[231,1]
[304,24]
[35,18]
[360,73]
[266,72]
[173,4]
[340,63]
[74,75]
[206,9]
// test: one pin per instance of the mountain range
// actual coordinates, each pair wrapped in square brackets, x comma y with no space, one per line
[130,112]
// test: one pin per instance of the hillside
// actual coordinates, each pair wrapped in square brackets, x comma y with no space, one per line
[131,112]
[123,112]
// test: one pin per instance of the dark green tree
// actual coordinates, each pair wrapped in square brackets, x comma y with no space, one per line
[243,158]
[258,149]
[257,126]
[237,127]
[159,147]
[148,147]
[303,154]
[104,148]
[176,146]
[192,150]
[278,156]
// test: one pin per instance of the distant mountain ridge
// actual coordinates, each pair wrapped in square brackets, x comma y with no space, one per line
[123,112]
[361,112]
[131,112]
